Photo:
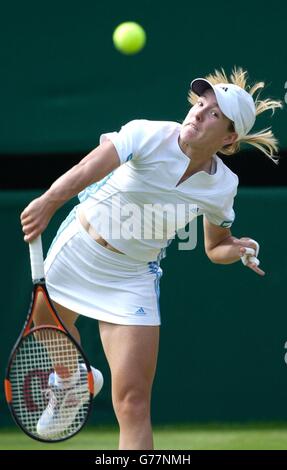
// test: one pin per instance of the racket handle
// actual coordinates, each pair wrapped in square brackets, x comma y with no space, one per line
[36,259]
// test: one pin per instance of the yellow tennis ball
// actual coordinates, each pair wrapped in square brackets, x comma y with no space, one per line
[129,38]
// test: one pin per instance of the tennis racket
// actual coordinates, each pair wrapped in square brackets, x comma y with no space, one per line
[49,384]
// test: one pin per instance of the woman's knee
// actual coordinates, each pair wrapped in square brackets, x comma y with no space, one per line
[132,405]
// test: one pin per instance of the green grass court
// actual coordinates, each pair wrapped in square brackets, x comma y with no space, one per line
[194,437]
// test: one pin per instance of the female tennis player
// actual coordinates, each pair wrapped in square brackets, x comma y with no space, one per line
[105,260]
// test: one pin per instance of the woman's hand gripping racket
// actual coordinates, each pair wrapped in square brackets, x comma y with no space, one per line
[49,384]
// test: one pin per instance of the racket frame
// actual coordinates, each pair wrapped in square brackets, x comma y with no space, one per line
[39,286]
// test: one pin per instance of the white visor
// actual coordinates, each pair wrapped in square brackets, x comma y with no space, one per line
[233,101]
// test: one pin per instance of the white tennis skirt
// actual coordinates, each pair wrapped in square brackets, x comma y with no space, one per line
[94,281]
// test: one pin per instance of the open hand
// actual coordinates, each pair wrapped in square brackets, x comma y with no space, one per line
[248,252]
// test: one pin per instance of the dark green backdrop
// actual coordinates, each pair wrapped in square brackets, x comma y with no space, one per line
[224,328]
[63,83]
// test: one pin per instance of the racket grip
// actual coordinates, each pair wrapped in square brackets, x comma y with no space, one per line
[36,259]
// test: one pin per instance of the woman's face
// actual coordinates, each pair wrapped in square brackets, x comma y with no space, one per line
[206,125]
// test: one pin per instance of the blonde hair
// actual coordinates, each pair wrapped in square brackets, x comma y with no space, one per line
[264,140]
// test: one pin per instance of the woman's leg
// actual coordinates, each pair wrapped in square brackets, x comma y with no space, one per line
[42,316]
[63,354]
[132,355]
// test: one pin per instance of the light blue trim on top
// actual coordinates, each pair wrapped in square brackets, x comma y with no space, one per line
[153,266]
[93,188]
[67,221]
[162,253]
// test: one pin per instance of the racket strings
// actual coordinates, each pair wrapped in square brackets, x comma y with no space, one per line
[62,352]
[49,405]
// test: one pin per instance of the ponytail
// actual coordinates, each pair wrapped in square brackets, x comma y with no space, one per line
[264,140]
